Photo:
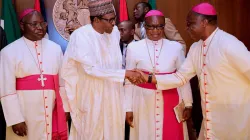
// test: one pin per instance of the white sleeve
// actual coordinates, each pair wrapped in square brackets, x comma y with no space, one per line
[62,87]
[81,50]
[181,77]
[70,75]
[130,64]
[9,98]
[239,57]
[185,90]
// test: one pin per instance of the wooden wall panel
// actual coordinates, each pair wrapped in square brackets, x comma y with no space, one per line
[20,5]
[233,15]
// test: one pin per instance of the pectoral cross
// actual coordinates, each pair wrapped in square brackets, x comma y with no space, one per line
[42,79]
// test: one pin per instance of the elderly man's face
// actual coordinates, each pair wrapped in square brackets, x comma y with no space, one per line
[33,26]
[195,26]
[108,22]
[154,26]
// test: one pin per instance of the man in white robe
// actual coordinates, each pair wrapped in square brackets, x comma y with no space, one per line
[93,74]
[153,112]
[222,65]
[170,31]
[28,78]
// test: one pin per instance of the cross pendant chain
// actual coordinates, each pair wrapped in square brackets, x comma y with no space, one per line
[154,70]
[42,79]
[155,61]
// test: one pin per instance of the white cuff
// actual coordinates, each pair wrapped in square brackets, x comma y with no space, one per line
[12,110]
[188,104]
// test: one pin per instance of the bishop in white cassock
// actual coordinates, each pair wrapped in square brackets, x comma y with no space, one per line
[153,112]
[222,65]
[147,105]
[27,102]
[93,74]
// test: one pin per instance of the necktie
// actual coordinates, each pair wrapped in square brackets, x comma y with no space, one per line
[124,56]
[143,31]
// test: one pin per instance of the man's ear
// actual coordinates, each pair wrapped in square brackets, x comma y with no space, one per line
[146,10]
[132,32]
[204,23]
[96,20]
[21,26]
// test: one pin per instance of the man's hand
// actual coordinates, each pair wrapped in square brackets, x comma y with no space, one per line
[67,115]
[20,129]
[129,119]
[134,77]
[143,75]
[187,112]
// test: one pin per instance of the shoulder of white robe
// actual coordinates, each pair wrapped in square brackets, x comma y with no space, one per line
[12,47]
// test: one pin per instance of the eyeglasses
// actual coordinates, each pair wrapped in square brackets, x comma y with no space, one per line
[152,27]
[35,25]
[111,20]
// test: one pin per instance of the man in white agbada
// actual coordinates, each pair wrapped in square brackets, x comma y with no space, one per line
[149,111]
[222,65]
[28,77]
[93,74]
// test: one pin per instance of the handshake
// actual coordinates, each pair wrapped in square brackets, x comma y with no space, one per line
[136,76]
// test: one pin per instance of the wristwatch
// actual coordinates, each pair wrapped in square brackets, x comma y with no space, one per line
[189,107]
[150,77]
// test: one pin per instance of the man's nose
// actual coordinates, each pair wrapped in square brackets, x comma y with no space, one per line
[113,22]
[39,26]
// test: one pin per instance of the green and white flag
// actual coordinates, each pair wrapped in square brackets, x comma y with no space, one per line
[10,22]
[152,3]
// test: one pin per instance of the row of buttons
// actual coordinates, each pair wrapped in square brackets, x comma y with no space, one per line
[45,97]
[157,114]
[205,91]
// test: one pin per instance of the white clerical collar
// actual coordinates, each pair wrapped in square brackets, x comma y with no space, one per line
[31,43]
[154,43]
[209,39]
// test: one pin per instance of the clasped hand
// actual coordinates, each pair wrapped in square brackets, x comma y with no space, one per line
[136,76]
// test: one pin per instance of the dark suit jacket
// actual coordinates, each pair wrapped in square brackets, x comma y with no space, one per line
[121,47]
[3,40]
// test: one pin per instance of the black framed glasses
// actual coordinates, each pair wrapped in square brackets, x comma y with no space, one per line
[111,20]
[37,24]
[152,27]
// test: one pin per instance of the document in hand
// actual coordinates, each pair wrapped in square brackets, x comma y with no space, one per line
[179,111]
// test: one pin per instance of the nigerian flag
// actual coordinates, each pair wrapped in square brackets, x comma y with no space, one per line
[11,24]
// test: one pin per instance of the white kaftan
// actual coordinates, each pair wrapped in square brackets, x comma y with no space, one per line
[142,102]
[92,70]
[222,65]
[34,107]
